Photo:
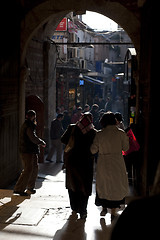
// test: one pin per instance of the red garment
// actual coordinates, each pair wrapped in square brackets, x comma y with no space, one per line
[133,143]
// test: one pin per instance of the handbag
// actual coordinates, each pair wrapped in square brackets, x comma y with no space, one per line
[133,143]
[70,143]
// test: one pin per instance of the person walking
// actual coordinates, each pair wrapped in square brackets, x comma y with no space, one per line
[111,179]
[77,115]
[29,150]
[79,164]
[66,120]
[56,132]
[108,105]
[119,120]
[95,113]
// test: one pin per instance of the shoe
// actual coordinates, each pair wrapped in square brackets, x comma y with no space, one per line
[31,190]
[83,215]
[73,215]
[103,212]
[21,193]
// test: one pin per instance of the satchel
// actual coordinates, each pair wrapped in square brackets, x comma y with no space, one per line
[70,143]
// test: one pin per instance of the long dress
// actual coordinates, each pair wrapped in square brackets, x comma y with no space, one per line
[79,164]
[111,178]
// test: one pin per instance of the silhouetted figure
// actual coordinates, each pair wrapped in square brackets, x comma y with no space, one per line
[56,132]
[29,150]
[111,178]
[79,163]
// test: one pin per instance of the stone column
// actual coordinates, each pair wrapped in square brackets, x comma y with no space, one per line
[49,86]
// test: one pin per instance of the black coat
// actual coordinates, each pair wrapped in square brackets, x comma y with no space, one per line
[56,130]
[29,141]
[79,164]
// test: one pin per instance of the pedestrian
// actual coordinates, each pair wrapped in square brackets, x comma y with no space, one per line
[95,113]
[86,108]
[111,180]
[101,112]
[119,120]
[29,150]
[58,110]
[77,115]
[66,120]
[108,105]
[56,132]
[119,105]
[79,164]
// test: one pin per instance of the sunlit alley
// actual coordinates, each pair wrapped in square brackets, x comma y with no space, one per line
[47,214]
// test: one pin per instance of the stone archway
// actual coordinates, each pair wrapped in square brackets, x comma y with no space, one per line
[50,13]
[137,19]
[55,10]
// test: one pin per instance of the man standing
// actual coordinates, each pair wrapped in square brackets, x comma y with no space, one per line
[56,132]
[29,150]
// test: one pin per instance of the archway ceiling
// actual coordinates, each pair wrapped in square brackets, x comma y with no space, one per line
[39,12]
[132,5]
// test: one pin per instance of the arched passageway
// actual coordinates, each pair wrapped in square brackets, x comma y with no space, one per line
[51,13]
[45,16]
[40,27]
[132,16]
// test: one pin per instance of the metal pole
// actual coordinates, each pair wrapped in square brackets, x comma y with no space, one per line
[75,44]
[92,43]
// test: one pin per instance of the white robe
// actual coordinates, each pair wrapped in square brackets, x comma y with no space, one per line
[111,178]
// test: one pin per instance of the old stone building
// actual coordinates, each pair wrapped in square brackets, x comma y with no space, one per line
[21,23]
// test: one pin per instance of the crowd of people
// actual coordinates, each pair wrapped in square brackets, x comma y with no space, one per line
[97,134]
[91,135]
[111,177]
[63,119]
[97,109]
[88,135]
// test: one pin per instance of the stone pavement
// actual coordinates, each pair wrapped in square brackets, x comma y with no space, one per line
[46,215]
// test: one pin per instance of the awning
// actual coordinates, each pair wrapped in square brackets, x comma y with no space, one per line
[91,80]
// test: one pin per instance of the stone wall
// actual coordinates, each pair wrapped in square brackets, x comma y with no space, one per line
[9,95]
[41,81]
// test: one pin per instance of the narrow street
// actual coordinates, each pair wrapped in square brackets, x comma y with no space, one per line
[47,214]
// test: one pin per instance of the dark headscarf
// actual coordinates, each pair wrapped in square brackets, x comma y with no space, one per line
[108,119]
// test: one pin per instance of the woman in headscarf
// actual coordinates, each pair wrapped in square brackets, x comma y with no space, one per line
[79,163]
